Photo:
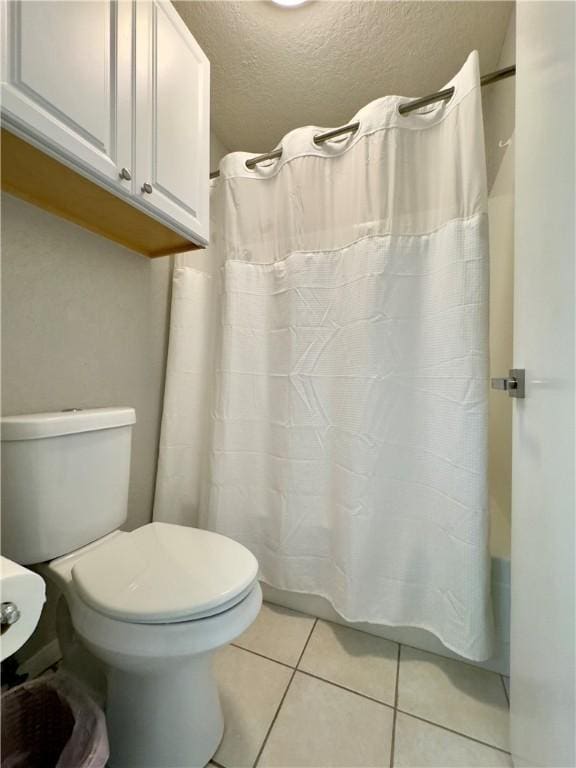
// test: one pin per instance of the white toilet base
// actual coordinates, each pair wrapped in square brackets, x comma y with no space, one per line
[162,703]
[169,719]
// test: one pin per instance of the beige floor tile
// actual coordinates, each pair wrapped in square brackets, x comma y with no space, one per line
[251,689]
[278,633]
[322,725]
[454,694]
[420,745]
[359,661]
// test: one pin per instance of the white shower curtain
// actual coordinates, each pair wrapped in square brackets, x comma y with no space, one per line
[326,394]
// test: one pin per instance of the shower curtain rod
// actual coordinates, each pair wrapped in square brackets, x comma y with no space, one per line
[409,106]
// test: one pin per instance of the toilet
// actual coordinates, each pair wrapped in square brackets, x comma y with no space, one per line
[150,607]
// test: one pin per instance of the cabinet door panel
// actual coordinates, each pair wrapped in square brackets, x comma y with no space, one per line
[172,119]
[64,81]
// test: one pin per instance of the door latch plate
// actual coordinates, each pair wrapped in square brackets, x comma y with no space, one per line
[515,383]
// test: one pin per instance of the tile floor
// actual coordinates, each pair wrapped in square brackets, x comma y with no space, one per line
[297,691]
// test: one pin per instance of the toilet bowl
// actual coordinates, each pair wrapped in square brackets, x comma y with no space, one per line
[152,606]
[163,707]
[149,607]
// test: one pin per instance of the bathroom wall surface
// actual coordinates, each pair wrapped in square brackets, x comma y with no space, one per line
[501,219]
[499,106]
[217,151]
[84,324]
[499,118]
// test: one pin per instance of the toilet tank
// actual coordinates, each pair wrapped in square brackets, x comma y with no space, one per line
[64,479]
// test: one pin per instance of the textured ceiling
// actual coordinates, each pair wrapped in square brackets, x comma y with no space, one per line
[274,69]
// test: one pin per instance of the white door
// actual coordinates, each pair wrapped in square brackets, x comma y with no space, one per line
[543,645]
[66,80]
[172,119]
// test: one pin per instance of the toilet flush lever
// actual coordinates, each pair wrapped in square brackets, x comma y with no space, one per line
[514,384]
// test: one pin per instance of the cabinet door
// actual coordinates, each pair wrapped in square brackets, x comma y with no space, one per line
[172,120]
[66,73]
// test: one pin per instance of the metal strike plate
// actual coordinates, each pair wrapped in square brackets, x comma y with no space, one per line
[514,384]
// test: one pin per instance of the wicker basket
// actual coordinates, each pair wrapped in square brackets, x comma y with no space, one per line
[51,722]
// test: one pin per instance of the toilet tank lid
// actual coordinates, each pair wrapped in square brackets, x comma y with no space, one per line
[34,426]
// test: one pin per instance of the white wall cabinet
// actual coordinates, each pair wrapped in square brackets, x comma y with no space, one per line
[172,145]
[66,77]
[117,90]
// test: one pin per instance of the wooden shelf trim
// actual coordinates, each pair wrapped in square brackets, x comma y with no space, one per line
[34,176]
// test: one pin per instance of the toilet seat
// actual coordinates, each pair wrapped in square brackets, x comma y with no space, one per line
[163,574]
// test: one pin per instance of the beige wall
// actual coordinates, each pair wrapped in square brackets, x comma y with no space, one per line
[499,109]
[84,324]
[501,214]
[217,151]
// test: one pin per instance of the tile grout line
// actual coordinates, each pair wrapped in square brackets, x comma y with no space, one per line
[263,656]
[344,688]
[451,730]
[455,657]
[505,690]
[394,716]
[315,676]
[269,731]
[362,695]
[306,644]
